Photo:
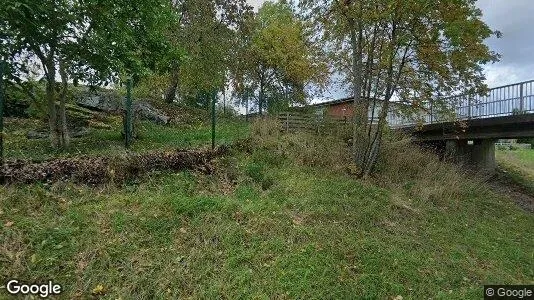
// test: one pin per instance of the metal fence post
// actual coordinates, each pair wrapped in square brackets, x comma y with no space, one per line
[431,112]
[521,98]
[213,119]
[2,177]
[246,106]
[469,106]
[128,121]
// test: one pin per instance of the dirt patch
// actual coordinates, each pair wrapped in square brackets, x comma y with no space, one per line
[501,183]
[99,170]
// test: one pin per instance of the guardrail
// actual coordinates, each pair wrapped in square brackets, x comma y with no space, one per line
[501,101]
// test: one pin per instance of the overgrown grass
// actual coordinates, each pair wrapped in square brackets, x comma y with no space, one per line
[110,141]
[269,224]
[519,165]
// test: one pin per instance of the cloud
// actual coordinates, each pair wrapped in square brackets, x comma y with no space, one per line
[514,20]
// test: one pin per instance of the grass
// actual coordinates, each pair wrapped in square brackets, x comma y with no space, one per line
[110,142]
[262,227]
[519,164]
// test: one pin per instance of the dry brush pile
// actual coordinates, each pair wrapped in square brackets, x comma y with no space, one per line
[99,170]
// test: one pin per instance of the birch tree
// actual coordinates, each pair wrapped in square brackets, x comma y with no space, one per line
[276,58]
[409,51]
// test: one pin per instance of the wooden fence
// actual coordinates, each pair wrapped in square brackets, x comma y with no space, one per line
[293,121]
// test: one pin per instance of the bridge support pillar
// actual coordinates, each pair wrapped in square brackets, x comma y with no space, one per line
[478,154]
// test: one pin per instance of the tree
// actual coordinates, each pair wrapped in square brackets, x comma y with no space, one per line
[90,40]
[410,51]
[44,29]
[207,29]
[276,58]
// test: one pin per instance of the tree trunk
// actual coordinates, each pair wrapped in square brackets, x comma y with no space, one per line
[51,101]
[64,140]
[376,143]
[359,140]
[260,96]
[170,93]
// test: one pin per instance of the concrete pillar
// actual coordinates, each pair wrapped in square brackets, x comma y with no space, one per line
[479,155]
[483,155]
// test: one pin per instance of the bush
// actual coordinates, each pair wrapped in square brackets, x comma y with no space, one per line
[19,104]
[526,141]
[421,173]
[255,171]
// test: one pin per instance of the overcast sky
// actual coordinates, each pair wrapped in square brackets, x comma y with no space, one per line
[514,18]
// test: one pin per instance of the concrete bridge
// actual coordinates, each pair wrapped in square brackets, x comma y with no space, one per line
[506,112]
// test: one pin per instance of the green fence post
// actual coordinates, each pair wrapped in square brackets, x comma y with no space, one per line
[213,119]
[2,177]
[128,121]
[246,104]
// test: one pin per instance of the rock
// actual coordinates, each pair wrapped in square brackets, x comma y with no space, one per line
[112,102]
[36,135]
[73,133]
[107,101]
[149,112]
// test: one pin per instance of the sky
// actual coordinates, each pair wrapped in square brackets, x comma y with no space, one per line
[514,19]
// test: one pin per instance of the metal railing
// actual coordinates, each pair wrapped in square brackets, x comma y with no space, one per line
[501,101]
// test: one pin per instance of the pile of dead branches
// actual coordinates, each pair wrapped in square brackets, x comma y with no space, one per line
[99,170]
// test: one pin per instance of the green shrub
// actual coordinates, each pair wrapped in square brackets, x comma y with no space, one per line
[20,104]
[527,141]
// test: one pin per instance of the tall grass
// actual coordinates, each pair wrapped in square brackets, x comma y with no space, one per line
[328,150]
[421,173]
[402,165]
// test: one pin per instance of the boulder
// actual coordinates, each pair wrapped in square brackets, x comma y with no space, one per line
[148,112]
[111,102]
[106,101]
